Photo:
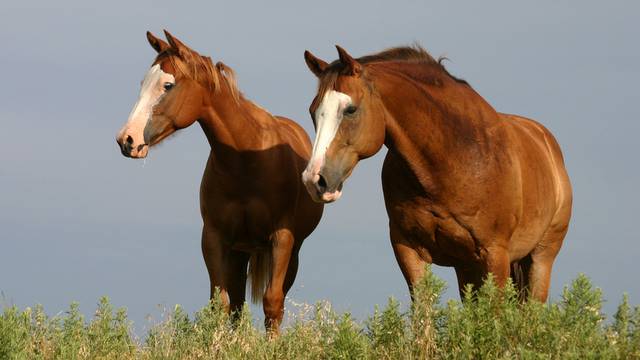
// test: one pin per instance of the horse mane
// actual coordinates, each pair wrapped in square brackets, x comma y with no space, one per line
[414,54]
[200,68]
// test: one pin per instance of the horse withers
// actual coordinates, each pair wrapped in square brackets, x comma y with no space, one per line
[255,211]
[464,185]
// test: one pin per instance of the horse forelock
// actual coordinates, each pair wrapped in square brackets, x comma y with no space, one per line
[201,69]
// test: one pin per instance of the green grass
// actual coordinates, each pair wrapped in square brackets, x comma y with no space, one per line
[492,324]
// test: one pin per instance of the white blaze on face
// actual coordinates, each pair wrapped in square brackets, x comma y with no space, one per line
[328,117]
[150,93]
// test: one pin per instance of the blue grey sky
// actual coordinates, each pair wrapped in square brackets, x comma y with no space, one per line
[78,220]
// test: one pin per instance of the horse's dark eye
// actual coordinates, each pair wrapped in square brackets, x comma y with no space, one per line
[350,110]
[168,85]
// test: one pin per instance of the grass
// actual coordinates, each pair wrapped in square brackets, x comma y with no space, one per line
[491,324]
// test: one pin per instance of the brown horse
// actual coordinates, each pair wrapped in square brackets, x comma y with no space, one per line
[464,185]
[255,210]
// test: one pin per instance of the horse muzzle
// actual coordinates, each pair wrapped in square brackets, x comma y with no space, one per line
[129,149]
[320,187]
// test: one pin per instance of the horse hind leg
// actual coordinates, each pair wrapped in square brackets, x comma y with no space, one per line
[545,252]
[542,258]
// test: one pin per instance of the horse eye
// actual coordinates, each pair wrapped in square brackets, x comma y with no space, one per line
[350,110]
[168,85]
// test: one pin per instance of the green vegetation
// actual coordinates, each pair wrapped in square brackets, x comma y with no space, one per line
[490,325]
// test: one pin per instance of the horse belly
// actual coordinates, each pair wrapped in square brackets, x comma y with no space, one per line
[439,239]
[523,241]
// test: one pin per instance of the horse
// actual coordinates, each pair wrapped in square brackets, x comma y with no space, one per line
[255,211]
[464,185]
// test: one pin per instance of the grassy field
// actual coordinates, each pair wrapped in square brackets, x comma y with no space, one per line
[491,325]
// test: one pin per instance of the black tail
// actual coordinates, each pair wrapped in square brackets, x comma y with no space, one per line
[259,273]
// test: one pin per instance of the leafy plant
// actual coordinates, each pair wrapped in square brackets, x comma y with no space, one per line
[489,324]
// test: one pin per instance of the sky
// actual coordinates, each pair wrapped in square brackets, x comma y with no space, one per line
[79,221]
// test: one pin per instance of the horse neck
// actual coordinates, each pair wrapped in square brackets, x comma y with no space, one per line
[451,124]
[233,123]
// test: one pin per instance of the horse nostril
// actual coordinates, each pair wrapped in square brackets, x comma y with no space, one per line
[129,140]
[322,184]
[140,147]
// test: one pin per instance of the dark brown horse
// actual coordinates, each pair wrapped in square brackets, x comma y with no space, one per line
[464,185]
[255,210]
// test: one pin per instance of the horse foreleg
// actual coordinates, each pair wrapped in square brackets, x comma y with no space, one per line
[273,300]
[497,264]
[468,275]
[213,253]
[409,260]
[235,279]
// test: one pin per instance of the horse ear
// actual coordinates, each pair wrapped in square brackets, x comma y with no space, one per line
[353,66]
[158,44]
[176,44]
[316,65]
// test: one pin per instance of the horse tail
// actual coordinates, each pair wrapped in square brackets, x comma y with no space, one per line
[260,273]
[520,276]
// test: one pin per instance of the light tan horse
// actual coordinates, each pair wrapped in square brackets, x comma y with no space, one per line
[464,186]
[255,210]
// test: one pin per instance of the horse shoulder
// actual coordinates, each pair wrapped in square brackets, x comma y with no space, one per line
[296,136]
